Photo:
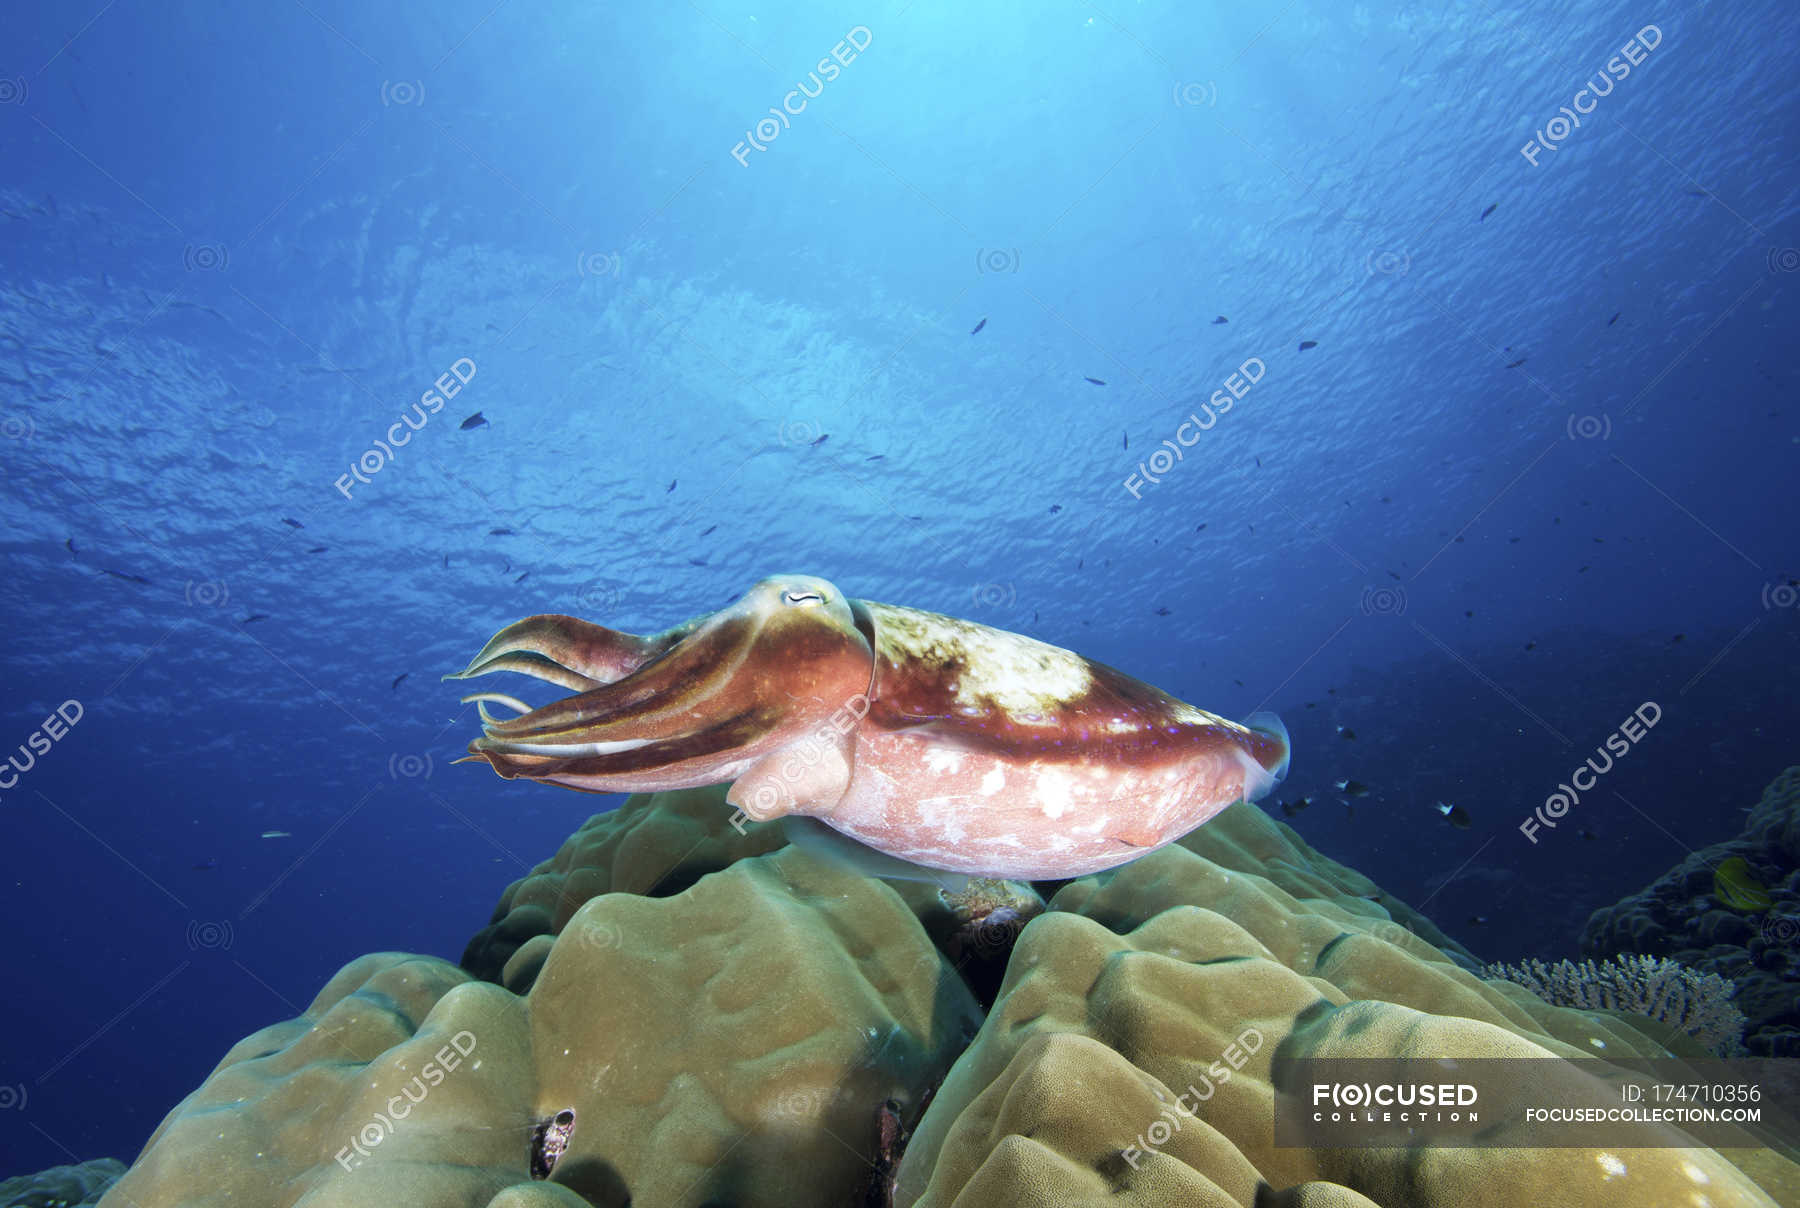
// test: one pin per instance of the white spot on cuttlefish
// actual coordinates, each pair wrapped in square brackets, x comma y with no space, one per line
[1054,793]
[993,782]
[943,761]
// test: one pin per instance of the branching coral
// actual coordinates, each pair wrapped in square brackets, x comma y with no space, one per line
[1698,1004]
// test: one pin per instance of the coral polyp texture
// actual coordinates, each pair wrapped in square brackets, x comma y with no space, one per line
[1694,1004]
[784,1031]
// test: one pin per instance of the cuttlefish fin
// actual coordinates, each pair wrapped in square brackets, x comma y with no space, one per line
[794,780]
[819,839]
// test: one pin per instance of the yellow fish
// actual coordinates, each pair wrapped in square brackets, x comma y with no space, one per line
[1734,886]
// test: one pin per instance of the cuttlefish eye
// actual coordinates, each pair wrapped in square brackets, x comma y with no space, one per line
[801,597]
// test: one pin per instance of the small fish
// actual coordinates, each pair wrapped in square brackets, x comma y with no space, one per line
[1055,508]
[1094,381]
[696,561]
[1517,363]
[1305,344]
[1488,211]
[1734,885]
[1455,815]
[119,574]
[398,679]
[1615,317]
[253,618]
[979,326]
[205,865]
[277,835]
[1478,920]
[500,532]
[1678,637]
[1587,834]
[507,569]
[823,437]
[1124,440]
[318,549]
[709,528]
[478,420]
[1162,612]
[1219,320]
[1348,734]
[1199,528]
[671,485]
[1352,788]
[69,544]
[1259,463]
[446,561]
[523,577]
[291,522]
[876,457]
[1290,808]
[1533,645]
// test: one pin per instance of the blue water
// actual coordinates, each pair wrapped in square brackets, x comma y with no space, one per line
[241,241]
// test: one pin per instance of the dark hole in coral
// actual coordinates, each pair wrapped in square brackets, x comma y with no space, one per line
[549,1139]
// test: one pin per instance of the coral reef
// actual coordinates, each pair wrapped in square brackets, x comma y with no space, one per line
[1682,916]
[1136,983]
[1695,1004]
[731,1044]
[784,1031]
[653,851]
[62,1186]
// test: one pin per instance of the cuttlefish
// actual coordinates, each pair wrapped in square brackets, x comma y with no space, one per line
[936,741]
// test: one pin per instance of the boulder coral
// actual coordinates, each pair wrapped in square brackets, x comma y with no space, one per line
[734,1043]
[783,1031]
[62,1186]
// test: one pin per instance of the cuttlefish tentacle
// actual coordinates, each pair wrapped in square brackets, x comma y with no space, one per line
[481,699]
[570,652]
[695,705]
[927,738]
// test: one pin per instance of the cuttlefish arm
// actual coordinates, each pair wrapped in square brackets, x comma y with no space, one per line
[699,704]
[570,652]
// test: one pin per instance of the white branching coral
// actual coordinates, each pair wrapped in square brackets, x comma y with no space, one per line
[1698,1004]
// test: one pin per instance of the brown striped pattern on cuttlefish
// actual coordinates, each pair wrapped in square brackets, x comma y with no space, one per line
[935,740]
